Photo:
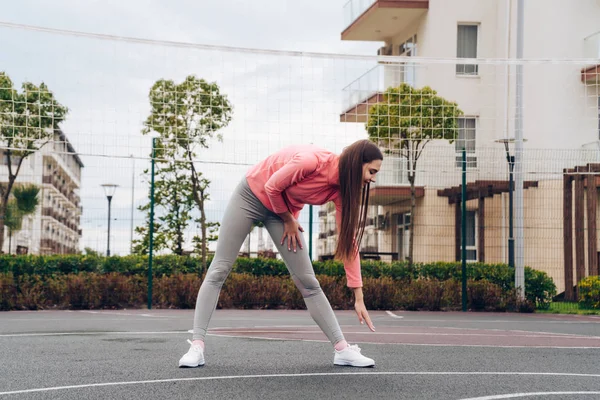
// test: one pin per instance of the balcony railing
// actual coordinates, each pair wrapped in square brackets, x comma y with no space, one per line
[590,73]
[375,81]
[50,246]
[354,8]
[55,182]
[50,212]
[592,46]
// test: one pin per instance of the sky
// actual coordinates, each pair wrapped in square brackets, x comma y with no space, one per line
[279,99]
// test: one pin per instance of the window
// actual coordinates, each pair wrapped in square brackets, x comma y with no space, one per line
[403,235]
[466,47]
[393,171]
[471,243]
[467,129]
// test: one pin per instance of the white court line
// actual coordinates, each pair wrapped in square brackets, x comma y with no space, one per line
[504,321]
[316,374]
[126,314]
[40,320]
[548,335]
[410,344]
[515,395]
[258,327]
[290,339]
[391,314]
[499,330]
[222,331]
[91,333]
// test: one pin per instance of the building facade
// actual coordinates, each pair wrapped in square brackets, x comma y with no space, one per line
[561,123]
[55,227]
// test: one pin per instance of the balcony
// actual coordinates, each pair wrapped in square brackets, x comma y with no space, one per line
[64,189]
[50,212]
[378,20]
[50,246]
[367,90]
[590,74]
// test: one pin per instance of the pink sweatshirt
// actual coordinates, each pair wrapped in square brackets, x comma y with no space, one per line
[299,175]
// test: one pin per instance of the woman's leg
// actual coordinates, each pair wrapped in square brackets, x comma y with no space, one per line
[243,209]
[303,275]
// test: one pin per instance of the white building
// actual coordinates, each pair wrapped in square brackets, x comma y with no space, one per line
[55,226]
[561,106]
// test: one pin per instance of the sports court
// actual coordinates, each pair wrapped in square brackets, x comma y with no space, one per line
[255,354]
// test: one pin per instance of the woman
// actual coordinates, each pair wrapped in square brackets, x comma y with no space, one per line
[274,191]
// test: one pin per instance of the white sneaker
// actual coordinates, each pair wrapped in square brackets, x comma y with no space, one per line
[193,358]
[351,356]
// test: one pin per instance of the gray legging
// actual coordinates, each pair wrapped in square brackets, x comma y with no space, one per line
[243,209]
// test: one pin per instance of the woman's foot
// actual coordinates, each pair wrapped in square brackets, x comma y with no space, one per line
[351,356]
[194,357]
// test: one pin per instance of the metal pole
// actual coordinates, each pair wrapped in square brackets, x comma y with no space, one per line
[132,203]
[511,188]
[519,247]
[463,231]
[108,233]
[151,229]
[310,231]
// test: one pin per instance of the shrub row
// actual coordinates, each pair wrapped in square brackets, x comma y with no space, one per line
[589,293]
[89,290]
[539,286]
[73,264]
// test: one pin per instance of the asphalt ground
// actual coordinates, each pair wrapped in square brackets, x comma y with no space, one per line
[280,354]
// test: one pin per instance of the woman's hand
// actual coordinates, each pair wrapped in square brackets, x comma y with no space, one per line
[291,232]
[361,309]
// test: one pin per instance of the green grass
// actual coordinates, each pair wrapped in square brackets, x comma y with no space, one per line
[567,308]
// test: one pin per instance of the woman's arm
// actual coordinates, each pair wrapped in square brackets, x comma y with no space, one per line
[290,231]
[294,171]
[361,309]
[354,276]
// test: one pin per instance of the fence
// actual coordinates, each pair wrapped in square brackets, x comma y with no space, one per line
[226,109]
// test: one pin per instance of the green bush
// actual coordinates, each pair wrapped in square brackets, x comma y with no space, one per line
[539,286]
[589,292]
[91,290]
[73,264]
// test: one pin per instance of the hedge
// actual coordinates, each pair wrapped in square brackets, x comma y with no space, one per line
[90,290]
[589,293]
[539,286]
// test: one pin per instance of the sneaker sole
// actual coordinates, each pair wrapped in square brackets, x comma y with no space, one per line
[190,366]
[349,364]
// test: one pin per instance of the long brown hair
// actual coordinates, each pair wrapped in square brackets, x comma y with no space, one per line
[354,203]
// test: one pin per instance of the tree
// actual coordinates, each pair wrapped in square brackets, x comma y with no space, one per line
[91,252]
[24,203]
[211,228]
[173,203]
[404,122]
[186,116]
[27,122]
[142,246]
[178,200]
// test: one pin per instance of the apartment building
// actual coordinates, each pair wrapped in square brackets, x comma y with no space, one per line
[55,226]
[561,107]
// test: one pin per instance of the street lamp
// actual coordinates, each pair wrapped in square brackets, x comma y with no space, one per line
[511,166]
[109,191]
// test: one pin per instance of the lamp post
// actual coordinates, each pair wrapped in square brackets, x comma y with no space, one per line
[511,167]
[109,191]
